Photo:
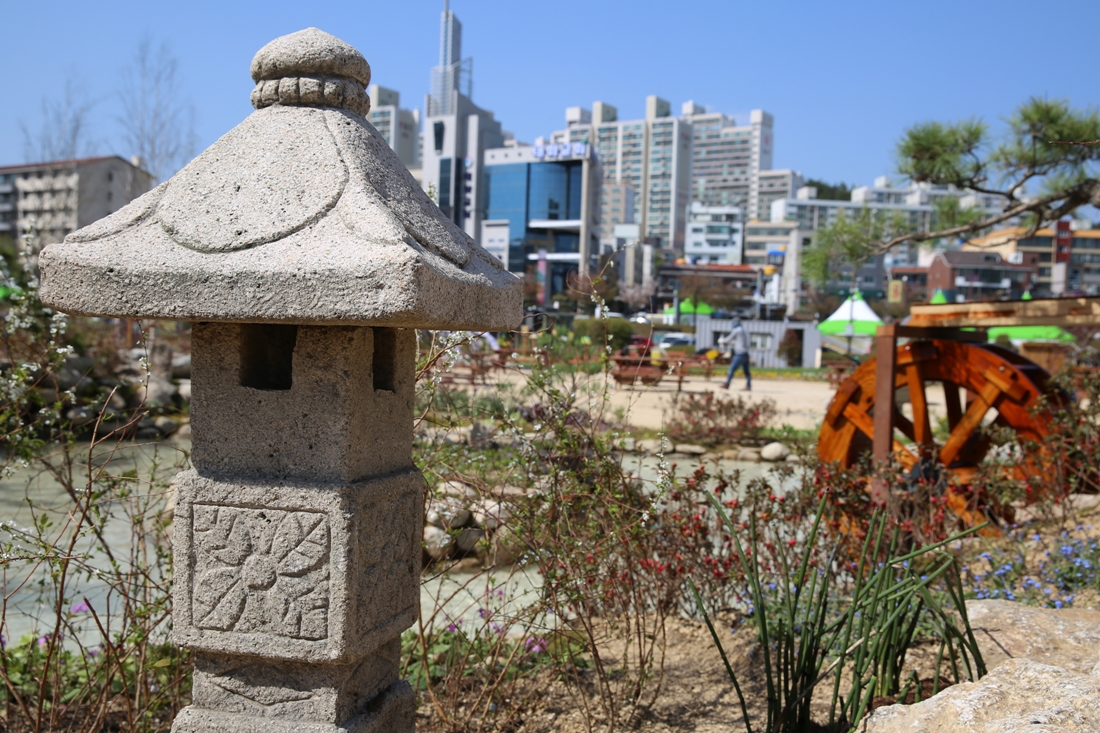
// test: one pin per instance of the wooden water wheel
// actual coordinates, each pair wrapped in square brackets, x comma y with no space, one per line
[981,383]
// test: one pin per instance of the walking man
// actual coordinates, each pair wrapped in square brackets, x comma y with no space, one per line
[737,341]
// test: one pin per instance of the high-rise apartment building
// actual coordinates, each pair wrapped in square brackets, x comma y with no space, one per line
[400,128]
[652,155]
[727,158]
[456,134]
[618,203]
[49,200]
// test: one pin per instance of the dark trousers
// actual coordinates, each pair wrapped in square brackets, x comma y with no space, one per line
[739,361]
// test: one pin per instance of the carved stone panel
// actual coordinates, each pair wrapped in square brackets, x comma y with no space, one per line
[296,571]
[261,570]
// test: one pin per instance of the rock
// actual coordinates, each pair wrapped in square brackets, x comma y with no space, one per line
[773,452]
[447,512]
[730,454]
[653,446]
[184,390]
[457,489]
[181,366]
[166,425]
[116,403]
[468,538]
[83,415]
[160,360]
[437,543]
[74,371]
[792,458]
[1017,697]
[690,449]
[509,493]
[183,432]
[1068,638]
[505,547]
[490,514]
[749,455]
[628,444]
[158,392]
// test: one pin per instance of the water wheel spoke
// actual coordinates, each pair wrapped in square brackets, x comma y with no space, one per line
[922,423]
[953,404]
[969,422]
[905,425]
[866,425]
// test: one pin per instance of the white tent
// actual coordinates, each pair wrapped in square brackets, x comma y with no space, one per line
[852,327]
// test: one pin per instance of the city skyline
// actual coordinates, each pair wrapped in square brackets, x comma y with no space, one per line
[833,77]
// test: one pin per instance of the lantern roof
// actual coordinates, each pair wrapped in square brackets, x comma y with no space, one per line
[300,214]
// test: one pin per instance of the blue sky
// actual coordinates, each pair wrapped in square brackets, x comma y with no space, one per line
[843,79]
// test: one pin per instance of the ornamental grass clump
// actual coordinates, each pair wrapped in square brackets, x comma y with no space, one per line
[842,632]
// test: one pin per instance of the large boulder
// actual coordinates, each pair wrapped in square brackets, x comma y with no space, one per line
[1020,696]
[1044,676]
[1067,638]
[774,452]
[748,455]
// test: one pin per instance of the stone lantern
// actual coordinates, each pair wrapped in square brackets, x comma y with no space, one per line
[306,255]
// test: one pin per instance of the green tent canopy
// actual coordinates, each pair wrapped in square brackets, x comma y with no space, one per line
[853,318]
[687,308]
[1031,333]
[938,298]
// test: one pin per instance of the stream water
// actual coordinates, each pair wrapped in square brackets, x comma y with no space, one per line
[29,494]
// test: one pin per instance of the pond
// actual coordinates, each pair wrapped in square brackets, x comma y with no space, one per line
[143,470]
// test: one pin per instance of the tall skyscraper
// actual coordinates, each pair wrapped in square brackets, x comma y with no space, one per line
[456,133]
[454,75]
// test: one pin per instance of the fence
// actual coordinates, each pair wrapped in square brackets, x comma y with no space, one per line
[764,339]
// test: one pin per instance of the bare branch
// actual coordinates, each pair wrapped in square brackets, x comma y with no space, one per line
[158,124]
[1070,142]
[63,133]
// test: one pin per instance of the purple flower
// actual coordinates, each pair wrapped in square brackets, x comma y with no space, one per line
[44,640]
[536,645]
[484,612]
[80,607]
[91,652]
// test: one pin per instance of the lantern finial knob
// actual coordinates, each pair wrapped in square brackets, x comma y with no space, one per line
[310,68]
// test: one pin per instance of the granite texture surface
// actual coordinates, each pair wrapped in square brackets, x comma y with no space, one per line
[301,214]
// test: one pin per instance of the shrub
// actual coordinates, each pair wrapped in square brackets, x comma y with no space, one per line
[615,332]
[712,419]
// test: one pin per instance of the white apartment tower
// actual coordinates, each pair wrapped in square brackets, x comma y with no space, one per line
[400,128]
[732,164]
[456,133]
[652,155]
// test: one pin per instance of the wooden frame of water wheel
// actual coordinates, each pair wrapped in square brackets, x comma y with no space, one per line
[981,383]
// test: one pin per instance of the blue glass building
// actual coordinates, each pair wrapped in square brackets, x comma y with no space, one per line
[538,202]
